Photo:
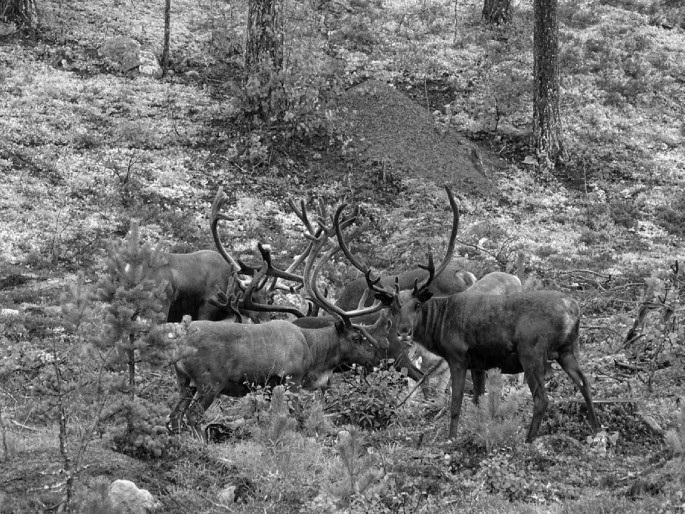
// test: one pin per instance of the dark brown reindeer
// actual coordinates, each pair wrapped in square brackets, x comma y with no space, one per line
[496,282]
[194,278]
[228,357]
[516,333]
[452,280]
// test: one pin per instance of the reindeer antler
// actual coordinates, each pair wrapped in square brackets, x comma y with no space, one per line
[260,277]
[449,252]
[311,271]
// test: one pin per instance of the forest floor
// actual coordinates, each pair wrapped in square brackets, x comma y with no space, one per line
[431,97]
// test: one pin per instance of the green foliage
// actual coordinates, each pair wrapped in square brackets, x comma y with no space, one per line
[357,466]
[281,425]
[657,338]
[675,437]
[672,217]
[508,85]
[504,476]
[292,100]
[134,304]
[499,418]
[138,428]
[315,422]
[369,401]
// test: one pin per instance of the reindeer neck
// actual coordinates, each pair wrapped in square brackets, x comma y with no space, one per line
[324,344]
[437,315]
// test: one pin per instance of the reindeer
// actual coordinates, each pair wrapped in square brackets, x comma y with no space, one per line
[496,282]
[516,333]
[453,280]
[194,278]
[228,358]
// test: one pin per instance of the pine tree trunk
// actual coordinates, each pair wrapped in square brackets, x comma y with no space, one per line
[547,139]
[497,12]
[264,52]
[167,35]
[21,12]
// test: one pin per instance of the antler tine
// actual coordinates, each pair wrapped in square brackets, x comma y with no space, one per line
[450,245]
[345,222]
[232,305]
[247,302]
[430,268]
[322,210]
[345,316]
[219,201]
[372,283]
[362,300]
[302,214]
[329,306]
[273,271]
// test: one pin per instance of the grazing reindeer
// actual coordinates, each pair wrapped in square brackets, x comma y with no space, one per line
[194,278]
[192,281]
[517,333]
[228,357]
[496,282]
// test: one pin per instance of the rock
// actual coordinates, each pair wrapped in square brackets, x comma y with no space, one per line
[127,55]
[125,496]
[227,495]
[123,51]
[7,29]
[149,65]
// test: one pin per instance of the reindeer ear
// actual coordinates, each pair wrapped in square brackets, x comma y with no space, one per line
[424,296]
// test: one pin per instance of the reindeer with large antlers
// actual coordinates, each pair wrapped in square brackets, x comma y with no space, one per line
[228,357]
[516,333]
[193,279]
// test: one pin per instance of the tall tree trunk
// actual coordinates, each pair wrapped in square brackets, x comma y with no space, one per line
[497,11]
[167,35]
[547,139]
[264,53]
[21,12]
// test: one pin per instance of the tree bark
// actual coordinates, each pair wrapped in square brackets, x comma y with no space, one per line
[497,12]
[264,52]
[167,36]
[547,139]
[21,12]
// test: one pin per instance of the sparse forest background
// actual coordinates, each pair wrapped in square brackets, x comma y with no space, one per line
[88,152]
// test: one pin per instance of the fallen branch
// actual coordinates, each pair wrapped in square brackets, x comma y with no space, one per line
[421,380]
[32,429]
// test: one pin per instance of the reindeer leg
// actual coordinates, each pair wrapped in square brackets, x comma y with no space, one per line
[569,363]
[534,372]
[458,373]
[174,425]
[478,378]
[204,397]
[186,394]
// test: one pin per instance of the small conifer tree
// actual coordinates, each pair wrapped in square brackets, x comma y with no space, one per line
[134,305]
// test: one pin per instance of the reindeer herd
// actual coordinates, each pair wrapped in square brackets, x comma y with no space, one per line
[472,324]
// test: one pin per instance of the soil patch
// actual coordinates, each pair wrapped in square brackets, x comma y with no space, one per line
[387,127]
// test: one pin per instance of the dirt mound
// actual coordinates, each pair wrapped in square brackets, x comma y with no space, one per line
[387,127]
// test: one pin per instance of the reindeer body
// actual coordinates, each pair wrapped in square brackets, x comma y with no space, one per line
[229,358]
[496,282]
[195,278]
[515,333]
